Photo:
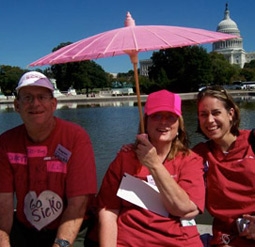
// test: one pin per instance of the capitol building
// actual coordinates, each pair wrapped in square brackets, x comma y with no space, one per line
[231,49]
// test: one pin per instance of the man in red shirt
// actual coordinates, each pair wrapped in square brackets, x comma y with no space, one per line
[49,164]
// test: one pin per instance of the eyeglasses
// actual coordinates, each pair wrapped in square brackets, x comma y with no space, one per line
[167,117]
[29,98]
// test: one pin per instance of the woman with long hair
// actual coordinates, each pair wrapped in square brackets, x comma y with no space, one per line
[230,164]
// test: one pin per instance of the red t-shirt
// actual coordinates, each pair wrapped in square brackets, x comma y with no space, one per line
[230,189]
[140,227]
[64,163]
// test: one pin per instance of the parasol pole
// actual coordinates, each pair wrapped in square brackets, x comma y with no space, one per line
[134,59]
[133,54]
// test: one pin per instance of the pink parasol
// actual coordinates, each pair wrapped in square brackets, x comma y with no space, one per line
[131,40]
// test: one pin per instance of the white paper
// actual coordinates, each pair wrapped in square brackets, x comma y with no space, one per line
[142,194]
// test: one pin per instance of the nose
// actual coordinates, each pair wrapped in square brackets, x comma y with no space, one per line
[210,118]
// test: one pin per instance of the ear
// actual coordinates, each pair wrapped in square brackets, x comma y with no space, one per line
[231,113]
[54,103]
[16,105]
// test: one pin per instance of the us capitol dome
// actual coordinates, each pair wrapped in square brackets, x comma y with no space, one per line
[232,49]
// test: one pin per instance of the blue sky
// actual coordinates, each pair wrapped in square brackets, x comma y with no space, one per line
[31,29]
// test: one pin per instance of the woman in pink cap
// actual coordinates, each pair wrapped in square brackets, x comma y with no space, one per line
[161,211]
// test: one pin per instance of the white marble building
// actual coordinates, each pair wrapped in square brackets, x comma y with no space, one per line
[231,49]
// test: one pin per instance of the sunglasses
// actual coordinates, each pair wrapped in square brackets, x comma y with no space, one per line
[212,91]
[158,117]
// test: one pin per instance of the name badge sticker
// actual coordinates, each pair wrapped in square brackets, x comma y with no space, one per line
[56,166]
[150,180]
[37,151]
[17,158]
[62,153]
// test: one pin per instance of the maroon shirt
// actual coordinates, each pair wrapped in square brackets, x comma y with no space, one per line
[26,166]
[140,227]
[230,190]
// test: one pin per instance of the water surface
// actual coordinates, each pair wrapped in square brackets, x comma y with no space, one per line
[110,125]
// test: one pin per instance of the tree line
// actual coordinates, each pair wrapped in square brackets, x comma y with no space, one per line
[179,70]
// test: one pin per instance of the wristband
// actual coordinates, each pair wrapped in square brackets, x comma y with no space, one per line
[62,242]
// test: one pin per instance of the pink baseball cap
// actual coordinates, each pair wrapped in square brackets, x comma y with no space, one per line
[34,78]
[163,100]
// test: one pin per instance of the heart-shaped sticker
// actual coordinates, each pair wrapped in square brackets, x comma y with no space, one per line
[42,210]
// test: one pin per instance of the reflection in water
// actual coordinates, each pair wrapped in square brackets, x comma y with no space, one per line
[73,105]
[6,107]
[111,124]
[242,101]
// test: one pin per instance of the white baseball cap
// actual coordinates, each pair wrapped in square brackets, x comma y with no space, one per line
[34,78]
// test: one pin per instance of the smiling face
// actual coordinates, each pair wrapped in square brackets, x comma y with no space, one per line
[214,119]
[162,127]
[36,106]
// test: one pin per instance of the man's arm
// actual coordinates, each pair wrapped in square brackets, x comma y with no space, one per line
[72,219]
[6,218]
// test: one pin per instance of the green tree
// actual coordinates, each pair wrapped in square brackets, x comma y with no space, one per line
[80,75]
[250,65]
[181,69]
[146,85]
[222,70]
[197,68]
[248,72]
[9,77]
[126,77]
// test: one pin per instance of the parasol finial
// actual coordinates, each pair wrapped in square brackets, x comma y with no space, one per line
[129,20]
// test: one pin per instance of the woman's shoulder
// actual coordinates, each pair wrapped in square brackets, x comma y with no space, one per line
[244,133]
[188,157]
[126,153]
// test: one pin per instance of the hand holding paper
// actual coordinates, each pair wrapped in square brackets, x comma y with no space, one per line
[142,194]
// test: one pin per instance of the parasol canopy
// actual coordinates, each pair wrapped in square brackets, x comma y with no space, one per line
[131,39]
